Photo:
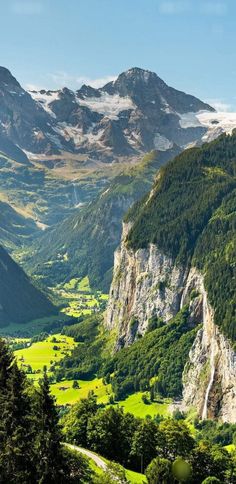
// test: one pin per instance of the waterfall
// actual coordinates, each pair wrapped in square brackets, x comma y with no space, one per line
[212,374]
[212,359]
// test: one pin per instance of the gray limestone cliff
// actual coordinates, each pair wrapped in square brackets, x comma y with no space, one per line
[147,283]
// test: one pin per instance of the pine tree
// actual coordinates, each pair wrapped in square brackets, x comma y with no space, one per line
[17,457]
[50,468]
[6,360]
[5,371]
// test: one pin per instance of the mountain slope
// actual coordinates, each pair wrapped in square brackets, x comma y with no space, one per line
[15,230]
[178,249]
[58,148]
[23,122]
[199,189]
[20,301]
[84,243]
[134,114]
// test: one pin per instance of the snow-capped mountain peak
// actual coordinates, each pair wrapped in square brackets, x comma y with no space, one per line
[129,116]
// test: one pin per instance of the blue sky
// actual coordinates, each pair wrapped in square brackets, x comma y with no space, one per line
[188,43]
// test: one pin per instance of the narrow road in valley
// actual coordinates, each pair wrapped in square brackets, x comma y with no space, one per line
[100,462]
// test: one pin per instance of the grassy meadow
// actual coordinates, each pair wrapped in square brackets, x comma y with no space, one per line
[43,353]
[35,356]
[78,298]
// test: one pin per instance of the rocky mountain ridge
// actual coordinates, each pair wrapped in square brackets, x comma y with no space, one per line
[130,116]
[134,114]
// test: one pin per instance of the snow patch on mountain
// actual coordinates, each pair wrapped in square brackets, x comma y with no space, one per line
[224,120]
[45,98]
[78,136]
[189,120]
[213,121]
[107,104]
[162,143]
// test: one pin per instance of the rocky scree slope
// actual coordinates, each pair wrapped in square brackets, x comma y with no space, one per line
[179,248]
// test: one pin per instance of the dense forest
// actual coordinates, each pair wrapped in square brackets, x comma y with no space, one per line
[162,351]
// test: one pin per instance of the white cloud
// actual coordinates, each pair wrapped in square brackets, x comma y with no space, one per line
[220,105]
[62,79]
[214,8]
[202,7]
[22,7]
[174,7]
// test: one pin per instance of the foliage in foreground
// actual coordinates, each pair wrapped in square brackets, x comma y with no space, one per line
[30,436]
[164,448]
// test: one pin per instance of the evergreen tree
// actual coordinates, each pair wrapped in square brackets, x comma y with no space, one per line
[5,370]
[50,467]
[17,457]
[6,360]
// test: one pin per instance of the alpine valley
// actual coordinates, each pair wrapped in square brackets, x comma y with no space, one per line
[118,273]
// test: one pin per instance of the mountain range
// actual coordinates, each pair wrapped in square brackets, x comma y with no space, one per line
[72,164]
[67,146]
[134,114]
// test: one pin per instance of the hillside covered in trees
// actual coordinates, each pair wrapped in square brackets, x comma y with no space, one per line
[191,216]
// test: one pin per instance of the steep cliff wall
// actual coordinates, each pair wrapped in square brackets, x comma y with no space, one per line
[146,283]
[210,374]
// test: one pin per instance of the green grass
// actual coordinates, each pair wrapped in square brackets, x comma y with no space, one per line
[84,285]
[66,395]
[42,353]
[72,284]
[132,477]
[78,298]
[137,407]
[69,395]
[135,477]
[76,313]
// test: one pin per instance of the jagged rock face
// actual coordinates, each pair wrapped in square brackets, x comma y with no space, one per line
[130,116]
[210,375]
[145,283]
[23,121]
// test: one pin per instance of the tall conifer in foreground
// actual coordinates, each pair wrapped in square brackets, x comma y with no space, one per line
[50,466]
[16,434]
